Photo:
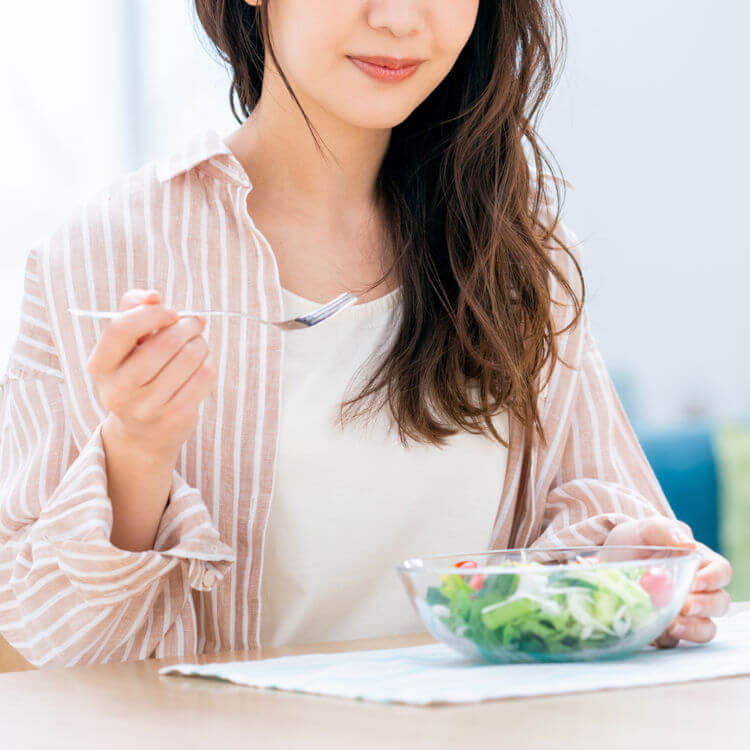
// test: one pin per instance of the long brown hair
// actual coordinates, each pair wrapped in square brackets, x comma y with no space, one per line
[463,207]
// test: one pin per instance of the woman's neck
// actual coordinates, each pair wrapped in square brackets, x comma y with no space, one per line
[278,152]
[328,239]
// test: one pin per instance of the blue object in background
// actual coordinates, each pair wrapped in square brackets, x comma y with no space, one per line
[684,463]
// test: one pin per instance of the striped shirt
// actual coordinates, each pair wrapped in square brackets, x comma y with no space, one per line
[181,225]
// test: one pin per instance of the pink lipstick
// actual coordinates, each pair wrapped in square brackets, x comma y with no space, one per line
[388,69]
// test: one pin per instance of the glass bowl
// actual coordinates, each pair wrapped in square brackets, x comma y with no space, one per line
[553,604]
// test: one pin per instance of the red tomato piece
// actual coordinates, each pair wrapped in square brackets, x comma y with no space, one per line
[476,581]
[659,585]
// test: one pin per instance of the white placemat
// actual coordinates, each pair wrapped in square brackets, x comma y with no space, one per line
[422,675]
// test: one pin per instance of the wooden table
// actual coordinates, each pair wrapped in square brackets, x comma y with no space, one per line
[129,706]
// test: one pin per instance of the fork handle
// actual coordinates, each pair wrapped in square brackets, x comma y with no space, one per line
[216,313]
[97,314]
[208,313]
[109,314]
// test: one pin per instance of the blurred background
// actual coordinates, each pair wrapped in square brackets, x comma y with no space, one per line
[649,122]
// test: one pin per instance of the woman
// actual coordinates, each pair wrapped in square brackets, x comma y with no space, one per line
[462,403]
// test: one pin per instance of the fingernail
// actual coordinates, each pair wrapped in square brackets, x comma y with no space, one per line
[677,630]
[700,585]
[679,537]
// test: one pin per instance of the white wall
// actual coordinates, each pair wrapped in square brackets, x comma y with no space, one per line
[59,129]
[650,122]
[81,106]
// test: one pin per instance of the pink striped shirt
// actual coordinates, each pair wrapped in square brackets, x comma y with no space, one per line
[67,595]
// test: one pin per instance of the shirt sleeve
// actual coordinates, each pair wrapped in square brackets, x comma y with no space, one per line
[67,594]
[604,477]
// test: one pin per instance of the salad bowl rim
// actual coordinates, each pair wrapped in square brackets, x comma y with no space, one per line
[417,564]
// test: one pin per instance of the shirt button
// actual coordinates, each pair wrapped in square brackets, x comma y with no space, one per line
[209,578]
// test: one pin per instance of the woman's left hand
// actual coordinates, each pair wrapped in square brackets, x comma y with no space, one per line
[707,598]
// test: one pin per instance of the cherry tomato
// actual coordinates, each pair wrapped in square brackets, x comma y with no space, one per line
[659,585]
[476,581]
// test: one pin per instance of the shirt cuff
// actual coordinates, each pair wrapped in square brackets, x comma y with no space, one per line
[77,524]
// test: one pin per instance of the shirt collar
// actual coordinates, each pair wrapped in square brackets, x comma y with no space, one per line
[205,146]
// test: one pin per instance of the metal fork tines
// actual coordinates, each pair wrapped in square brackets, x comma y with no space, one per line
[308,320]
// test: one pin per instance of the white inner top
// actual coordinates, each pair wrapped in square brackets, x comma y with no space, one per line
[349,503]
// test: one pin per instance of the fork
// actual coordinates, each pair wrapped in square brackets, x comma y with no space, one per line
[308,320]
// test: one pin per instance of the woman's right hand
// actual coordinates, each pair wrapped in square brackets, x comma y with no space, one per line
[152,371]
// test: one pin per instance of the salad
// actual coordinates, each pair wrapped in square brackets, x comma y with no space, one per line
[549,612]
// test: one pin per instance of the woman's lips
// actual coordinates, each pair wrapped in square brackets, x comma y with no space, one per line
[381,73]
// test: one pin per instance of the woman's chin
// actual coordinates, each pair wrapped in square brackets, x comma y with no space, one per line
[375,118]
